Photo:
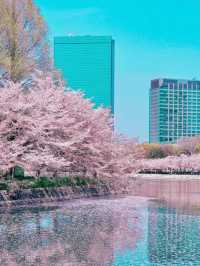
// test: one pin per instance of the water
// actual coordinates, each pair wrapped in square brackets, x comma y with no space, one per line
[129,231]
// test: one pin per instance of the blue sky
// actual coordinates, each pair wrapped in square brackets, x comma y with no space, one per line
[154,38]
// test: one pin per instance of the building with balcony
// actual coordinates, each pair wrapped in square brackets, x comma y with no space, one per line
[174,110]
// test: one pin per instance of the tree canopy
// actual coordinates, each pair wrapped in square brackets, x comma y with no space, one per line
[47,129]
[23,39]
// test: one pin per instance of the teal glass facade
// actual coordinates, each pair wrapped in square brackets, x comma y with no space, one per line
[174,110]
[87,64]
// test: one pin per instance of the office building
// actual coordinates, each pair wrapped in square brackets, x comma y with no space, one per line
[174,110]
[87,64]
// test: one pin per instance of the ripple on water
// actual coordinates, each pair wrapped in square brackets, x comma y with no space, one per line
[130,231]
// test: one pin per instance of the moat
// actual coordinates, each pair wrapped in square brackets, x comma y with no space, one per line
[123,231]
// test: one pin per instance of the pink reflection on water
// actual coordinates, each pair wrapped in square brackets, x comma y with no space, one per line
[83,233]
[177,193]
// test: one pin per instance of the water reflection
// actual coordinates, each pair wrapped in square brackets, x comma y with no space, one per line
[86,234]
[173,236]
[176,193]
[173,231]
[130,231]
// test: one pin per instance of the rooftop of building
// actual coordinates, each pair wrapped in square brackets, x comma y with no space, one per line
[82,39]
[161,82]
[176,80]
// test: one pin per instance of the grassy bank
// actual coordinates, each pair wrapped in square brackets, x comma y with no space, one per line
[20,181]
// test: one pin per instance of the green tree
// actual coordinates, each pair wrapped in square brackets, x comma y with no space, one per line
[23,39]
[153,151]
[197,148]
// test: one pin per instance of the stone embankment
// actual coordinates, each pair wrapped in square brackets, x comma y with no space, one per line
[32,196]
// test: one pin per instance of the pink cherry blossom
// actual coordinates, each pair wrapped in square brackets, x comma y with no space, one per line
[171,164]
[47,128]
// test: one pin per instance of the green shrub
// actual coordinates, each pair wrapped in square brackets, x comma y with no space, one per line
[43,182]
[28,177]
[80,181]
[65,181]
[19,173]
[4,186]
[28,182]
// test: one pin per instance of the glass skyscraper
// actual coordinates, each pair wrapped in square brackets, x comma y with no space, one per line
[174,109]
[87,63]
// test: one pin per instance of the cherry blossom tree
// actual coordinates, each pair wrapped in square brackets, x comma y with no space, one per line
[46,128]
[171,164]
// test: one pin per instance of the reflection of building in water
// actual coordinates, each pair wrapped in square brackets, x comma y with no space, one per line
[75,236]
[173,236]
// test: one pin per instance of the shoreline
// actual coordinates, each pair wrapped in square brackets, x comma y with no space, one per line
[30,197]
[171,177]
[140,183]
